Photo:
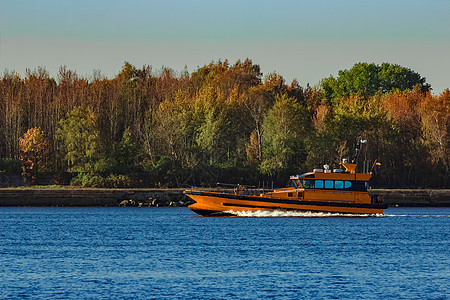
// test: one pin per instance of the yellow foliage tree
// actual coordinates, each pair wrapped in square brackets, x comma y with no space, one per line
[33,151]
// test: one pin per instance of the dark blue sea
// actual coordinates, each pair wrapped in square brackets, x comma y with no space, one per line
[171,253]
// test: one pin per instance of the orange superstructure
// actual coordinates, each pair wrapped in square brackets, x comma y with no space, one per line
[323,190]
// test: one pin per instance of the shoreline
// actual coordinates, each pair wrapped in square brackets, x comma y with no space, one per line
[174,197]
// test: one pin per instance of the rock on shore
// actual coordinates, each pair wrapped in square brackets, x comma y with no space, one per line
[93,197]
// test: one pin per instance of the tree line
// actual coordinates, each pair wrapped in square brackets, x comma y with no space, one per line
[224,122]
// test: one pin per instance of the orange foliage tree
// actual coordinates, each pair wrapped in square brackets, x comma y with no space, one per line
[435,119]
[33,152]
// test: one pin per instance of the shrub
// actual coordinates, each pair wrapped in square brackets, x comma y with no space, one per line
[119,181]
[99,181]
[9,165]
[88,180]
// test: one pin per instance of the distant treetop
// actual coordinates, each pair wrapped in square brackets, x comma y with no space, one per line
[366,80]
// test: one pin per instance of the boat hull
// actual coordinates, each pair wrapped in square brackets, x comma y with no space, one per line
[222,204]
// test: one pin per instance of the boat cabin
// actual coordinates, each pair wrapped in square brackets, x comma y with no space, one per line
[338,179]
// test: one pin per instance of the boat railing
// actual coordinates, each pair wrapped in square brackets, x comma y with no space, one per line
[239,190]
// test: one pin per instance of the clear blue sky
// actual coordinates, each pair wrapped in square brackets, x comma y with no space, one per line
[306,40]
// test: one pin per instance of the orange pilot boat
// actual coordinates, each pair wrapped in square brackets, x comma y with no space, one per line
[323,190]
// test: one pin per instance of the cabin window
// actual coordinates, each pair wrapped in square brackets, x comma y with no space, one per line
[300,194]
[348,184]
[338,184]
[290,194]
[319,184]
[308,183]
[328,184]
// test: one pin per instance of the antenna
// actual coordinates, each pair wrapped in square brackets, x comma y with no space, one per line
[359,142]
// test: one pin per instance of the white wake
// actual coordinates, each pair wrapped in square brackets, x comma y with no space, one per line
[297,214]
[418,216]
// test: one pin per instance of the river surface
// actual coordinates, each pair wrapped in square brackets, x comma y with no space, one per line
[171,253]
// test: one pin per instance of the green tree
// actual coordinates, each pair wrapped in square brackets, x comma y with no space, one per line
[337,128]
[124,153]
[285,130]
[174,132]
[366,80]
[221,125]
[80,139]
[393,76]
[355,117]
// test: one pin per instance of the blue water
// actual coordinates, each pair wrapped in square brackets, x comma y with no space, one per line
[171,253]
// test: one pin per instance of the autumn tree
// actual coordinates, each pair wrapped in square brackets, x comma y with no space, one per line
[33,153]
[223,75]
[259,99]
[320,145]
[11,127]
[226,119]
[435,125]
[407,153]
